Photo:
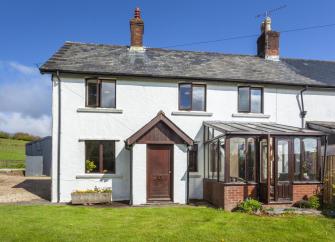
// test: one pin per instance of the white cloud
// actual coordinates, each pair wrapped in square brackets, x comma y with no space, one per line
[25,99]
[16,122]
[26,70]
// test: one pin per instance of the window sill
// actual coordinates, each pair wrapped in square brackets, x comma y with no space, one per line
[192,113]
[99,110]
[250,115]
[306,182]
[97,176]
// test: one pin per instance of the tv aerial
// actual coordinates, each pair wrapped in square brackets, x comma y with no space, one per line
[268,13]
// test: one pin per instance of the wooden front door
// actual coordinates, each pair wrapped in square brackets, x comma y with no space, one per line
[159,172]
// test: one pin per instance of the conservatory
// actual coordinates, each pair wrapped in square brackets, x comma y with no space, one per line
[274,163]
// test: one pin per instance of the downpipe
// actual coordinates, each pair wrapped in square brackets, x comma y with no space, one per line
[58,136]
[303,112]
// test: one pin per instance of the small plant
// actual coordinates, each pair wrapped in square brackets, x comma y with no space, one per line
[95,190]
[249,206]
[314,202]
[90,166]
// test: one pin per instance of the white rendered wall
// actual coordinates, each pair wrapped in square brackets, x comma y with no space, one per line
[179,173]
[141,99]
[139,174]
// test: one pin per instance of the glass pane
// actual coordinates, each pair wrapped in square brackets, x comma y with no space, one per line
[222,159]
[185,92]
[256,100]
[213,160]
[237,160]
[243,99]
[193,158]
[309,165]
[198,98]
[297,153]
[251,160]
[92,154]
[282,165]
[108,156]
[264,159]
[107,94]
[206,147]
[92,92]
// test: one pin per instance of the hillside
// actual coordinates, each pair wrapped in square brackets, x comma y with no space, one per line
[12,150]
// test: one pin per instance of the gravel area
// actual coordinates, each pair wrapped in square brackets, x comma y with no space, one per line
[20,189]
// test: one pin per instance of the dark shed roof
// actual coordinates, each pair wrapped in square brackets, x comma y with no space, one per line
[155,62]
[328,127]
[254,128]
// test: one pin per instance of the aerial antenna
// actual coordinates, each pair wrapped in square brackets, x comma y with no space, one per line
[268,13]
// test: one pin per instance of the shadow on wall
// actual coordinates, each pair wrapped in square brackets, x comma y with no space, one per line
[39,187]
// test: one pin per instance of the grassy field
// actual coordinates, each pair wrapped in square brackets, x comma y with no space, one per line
[68,223]
[12,150]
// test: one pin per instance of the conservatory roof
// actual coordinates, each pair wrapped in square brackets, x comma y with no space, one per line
[259,128]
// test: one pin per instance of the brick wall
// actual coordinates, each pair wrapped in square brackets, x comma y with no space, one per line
[234,194]
[227,196]
[302,190]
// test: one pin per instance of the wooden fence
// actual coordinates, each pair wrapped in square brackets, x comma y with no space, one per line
[329,181]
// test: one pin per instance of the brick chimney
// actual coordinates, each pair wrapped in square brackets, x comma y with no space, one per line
[268,42]
[136,31]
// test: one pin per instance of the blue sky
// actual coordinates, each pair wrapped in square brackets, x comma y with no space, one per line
[31,31]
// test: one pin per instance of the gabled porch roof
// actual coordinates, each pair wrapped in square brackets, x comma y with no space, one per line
[160,119]
[259,128]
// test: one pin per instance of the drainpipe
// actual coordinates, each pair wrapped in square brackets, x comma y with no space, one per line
[303,112]
[58,137]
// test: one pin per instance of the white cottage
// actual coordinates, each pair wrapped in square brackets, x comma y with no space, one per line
[161,125]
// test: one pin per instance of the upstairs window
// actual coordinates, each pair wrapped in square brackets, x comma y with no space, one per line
[102,154]
[192,97]
[100,93]
[250,100]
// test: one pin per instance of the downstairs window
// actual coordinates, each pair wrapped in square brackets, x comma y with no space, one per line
[102,154]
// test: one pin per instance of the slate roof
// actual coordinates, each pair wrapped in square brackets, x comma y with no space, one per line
[154,62]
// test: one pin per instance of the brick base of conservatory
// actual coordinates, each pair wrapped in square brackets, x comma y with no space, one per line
[228,196]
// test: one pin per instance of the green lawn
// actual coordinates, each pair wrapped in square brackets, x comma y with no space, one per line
[68,223]
[12,150]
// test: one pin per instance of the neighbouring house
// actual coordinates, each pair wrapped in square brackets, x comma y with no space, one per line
[38,157]
[166,125]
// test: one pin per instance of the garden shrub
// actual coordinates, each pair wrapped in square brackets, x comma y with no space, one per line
[249,206]
[314,202]
[311,202]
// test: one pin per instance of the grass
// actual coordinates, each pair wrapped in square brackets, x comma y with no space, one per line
[12,150]
[69,223]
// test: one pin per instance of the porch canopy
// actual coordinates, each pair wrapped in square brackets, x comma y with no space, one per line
[259,128]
